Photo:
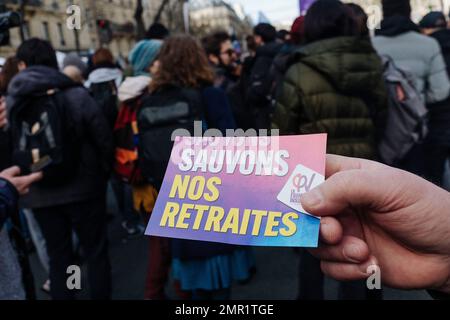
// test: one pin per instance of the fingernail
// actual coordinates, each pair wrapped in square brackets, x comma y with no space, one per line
[365,266]
[312,199]
[352,253]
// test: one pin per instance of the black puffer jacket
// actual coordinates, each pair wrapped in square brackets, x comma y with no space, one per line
[4,150]
[260,85]
[96,138]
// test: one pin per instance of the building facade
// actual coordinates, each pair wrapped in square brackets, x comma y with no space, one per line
[47,19]
[212,15]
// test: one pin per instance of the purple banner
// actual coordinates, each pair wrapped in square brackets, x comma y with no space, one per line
[304,5]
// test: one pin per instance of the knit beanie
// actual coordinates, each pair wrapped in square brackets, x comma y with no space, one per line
[298,30]
[396,7]
[143,55]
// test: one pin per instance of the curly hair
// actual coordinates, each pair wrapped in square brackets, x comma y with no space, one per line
[182,62]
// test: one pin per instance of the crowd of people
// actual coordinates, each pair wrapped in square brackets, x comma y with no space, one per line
[67,132]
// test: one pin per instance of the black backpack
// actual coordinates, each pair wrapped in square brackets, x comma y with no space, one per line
[105,94]
[237,95]
[44,138]
[160,115]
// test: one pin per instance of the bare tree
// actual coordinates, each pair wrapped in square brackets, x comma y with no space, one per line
[138,16]
[22,11]
[162,6]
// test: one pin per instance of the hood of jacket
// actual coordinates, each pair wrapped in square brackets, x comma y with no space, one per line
[443,37]
[133,87]
[351,64]
[38,79]
[104,75]
[396,25]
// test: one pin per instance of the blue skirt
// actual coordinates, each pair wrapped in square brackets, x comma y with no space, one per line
[214,273]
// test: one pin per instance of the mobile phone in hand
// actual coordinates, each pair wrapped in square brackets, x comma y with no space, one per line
[39,166]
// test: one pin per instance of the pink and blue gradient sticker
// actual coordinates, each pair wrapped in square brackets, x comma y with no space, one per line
[271,193]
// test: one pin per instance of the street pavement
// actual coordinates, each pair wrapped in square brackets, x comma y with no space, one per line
[276,277]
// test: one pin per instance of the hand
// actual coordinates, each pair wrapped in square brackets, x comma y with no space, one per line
[3,114]
[22,184]
[375,214]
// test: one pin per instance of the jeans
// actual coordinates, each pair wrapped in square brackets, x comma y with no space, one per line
[88,220]
[124,198]
[38,239]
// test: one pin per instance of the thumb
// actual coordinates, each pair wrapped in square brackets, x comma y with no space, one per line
[11,172]
[352,188]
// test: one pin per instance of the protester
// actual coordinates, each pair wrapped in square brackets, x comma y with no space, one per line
[74,73]
[228,74]
[341,75]
[399,38]
[138,196]
[334,87]
[372,213]
[361,18]
[184,76]
[9,70]
[283,36]
[75,68]
[73,59]
[220,52]
[298,31]
[4,137]
[11,185]
[437,145]
[78,201]
[126,176]
[285,58]
[251,47]
[103,82]
[157,31]
[260,82]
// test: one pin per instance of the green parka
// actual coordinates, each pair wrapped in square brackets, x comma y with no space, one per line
[335,86]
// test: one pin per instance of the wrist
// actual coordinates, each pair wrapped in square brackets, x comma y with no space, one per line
[6,184]
[446,288]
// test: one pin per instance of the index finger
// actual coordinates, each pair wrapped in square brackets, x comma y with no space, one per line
[30,179]
[337,164]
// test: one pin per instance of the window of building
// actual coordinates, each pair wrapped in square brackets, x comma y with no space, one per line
[62,40]
[26,30]
[45,31]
